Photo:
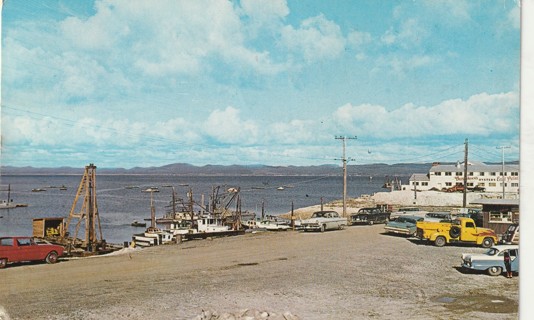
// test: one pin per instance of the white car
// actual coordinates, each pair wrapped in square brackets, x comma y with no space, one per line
[324,220]
[493,260]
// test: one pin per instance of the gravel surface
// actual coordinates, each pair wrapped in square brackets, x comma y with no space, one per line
[356,273]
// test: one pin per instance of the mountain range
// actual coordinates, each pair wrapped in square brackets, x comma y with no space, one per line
[377,169]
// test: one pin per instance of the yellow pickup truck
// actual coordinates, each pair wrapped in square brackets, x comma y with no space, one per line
[458,230]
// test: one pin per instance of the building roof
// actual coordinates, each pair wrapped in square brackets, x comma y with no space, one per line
[474,167]
[419,177]
[497,202]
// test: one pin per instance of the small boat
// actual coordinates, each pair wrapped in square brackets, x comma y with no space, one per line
[38,190]
[151,189]
[280,188]
[136,223]
[131,187]
[62,188]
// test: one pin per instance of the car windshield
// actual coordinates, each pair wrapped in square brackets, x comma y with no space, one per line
[319,214]
[492,252]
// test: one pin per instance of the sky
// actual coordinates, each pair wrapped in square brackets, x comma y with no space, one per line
[128,83]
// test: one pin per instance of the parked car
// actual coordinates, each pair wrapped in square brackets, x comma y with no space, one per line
[324,220]
[438,216]
[406,225]
[412,211]
[511,236]
[19,249]
[370,216]
[493,260]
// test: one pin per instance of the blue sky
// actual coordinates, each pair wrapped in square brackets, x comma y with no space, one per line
[148,83]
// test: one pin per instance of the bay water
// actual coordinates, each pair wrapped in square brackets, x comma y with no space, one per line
[119,205]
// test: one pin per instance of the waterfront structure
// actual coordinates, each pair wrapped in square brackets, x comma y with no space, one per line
[480,177]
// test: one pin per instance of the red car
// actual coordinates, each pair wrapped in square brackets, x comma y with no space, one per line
[18,249]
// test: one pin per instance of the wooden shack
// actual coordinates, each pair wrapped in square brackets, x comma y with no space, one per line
[48,227]
[498,214]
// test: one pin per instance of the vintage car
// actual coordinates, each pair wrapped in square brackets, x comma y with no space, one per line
[19,249]
[324,220]
[493,260]
[412,211]
[438,216]
[406,225]
[369,216]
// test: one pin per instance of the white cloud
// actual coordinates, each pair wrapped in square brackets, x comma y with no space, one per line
[173,37]
[263,12]
[409,34]
[482,114]
[226,126]
[451,10]
[358,38]
[400,66]
[293,132]
[317,38]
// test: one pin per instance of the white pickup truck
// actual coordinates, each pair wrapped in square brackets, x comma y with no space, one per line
[324,220]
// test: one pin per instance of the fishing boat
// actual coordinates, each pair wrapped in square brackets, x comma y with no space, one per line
[9,204]
[38,190]
[151,189]
[265,225]
[136,223]
[152,236]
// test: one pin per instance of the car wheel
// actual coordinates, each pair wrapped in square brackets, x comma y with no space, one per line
[3,263]
[487,242]
[323,228]
[455,232]
[370,223]
[341,226]
[51,257]
[494,271]
[440,241]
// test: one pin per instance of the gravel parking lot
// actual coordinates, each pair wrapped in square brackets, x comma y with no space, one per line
[356,273]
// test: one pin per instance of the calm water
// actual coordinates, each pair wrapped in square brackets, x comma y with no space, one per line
[119,206]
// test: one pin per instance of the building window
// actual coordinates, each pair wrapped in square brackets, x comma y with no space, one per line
[424,183]
[492,184]
[448,173]
[500,217]
[471,173]
[459,184]
[470,184]
[459,173]
[493,173]
[438,173]
[448,184]
[515,184]
[515,174]
[482,184]
[481,174]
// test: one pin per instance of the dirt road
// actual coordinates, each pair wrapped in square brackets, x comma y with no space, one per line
[356,273]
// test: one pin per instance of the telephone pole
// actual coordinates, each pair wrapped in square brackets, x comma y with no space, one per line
[465,173]
[344,159]
[502,168]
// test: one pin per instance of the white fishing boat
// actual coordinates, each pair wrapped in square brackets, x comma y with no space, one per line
[9,204]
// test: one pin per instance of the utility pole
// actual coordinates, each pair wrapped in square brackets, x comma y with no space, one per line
[465,173]
[502,168]
[344,159]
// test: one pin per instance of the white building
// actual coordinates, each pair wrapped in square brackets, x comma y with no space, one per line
[479,175]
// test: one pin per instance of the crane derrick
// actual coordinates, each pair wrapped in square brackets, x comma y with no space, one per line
[86,215]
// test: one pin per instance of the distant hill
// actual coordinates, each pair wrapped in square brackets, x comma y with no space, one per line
[378,169]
